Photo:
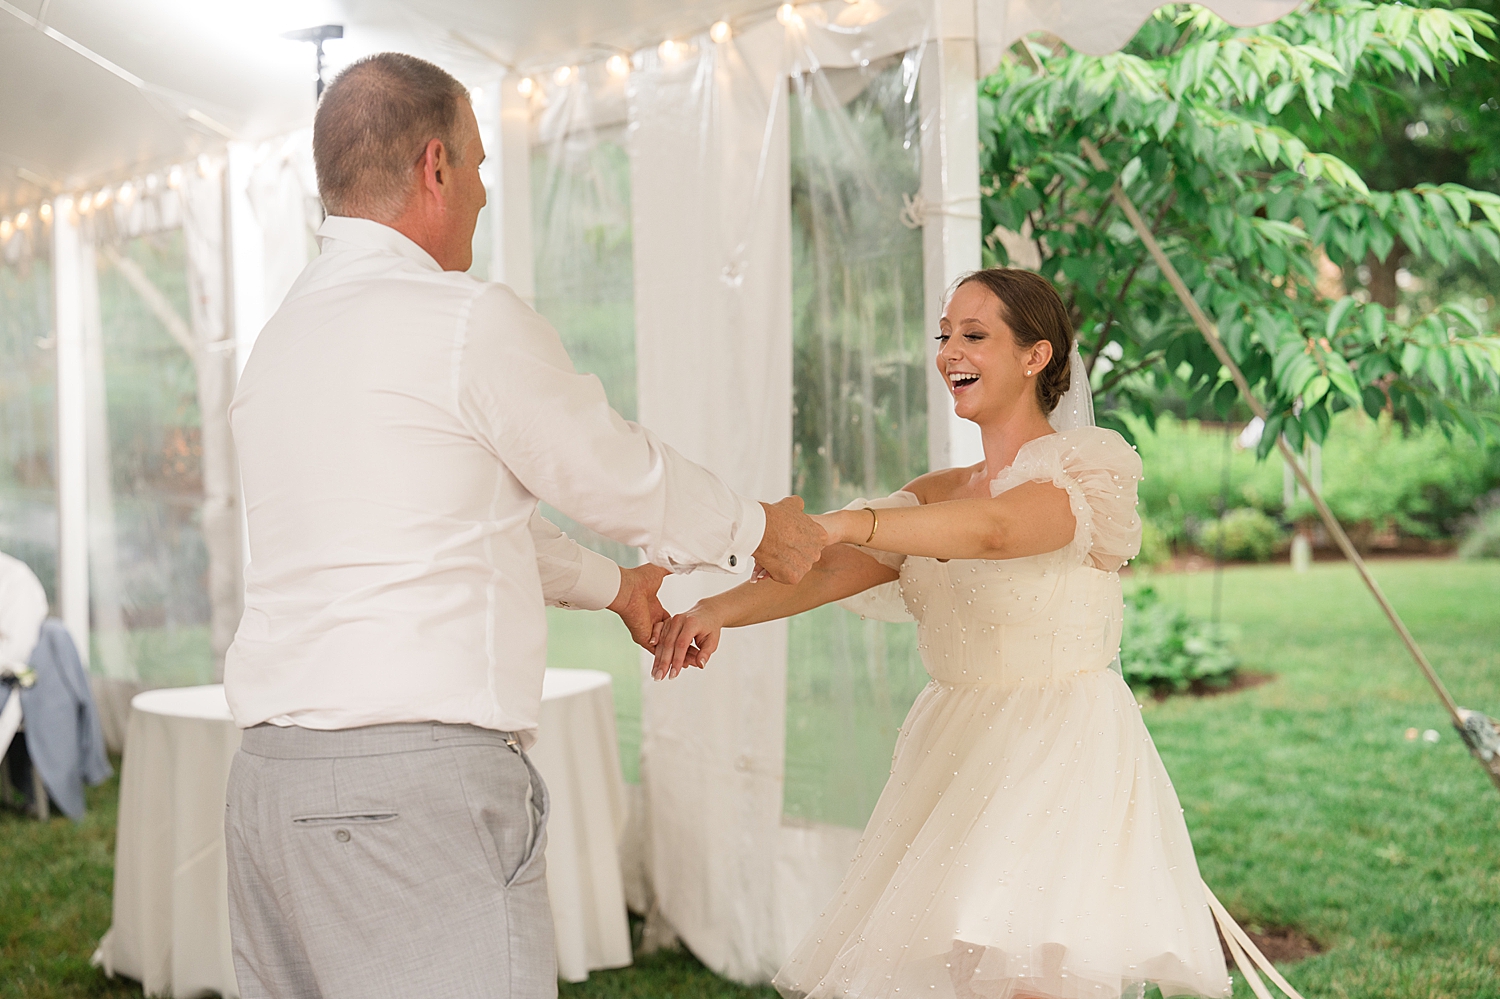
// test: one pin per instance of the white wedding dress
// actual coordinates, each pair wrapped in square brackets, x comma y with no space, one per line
[1028,842]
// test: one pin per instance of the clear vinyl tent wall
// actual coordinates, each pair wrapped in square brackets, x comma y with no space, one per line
[584,286]
[859,410]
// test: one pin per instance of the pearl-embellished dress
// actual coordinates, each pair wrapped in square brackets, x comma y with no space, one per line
[1028,842]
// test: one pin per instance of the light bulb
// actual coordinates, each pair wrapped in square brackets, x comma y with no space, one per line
[45,212]
[720,32]
[86,203]
[152,183]
[526,86]
[127,193]
[103,198]
[5,229]
[23,220]
[174,178]
[617,65]
[787,14]
[669,51]
[562,75]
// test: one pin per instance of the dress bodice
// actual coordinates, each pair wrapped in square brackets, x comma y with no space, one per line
[1028,620]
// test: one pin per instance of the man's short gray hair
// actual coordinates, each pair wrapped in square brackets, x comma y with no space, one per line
[372,127]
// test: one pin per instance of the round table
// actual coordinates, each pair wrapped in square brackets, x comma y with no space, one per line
[171,909]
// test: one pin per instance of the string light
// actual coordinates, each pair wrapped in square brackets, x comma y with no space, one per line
[23,220]
[5,229]
[174,178]
[669,51]
[720,32]
[562,75]
[526,86]
[787,15]
[102,199]
[45,212]
[127,193]
[152,182]
[86,203]
[617,65]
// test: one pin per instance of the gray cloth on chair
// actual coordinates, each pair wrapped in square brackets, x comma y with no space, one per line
[63,735]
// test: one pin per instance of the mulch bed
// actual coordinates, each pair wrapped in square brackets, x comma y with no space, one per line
[1281,944]
[1242,679]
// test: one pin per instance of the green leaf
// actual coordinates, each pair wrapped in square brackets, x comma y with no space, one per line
[1374,322]
[1336,315]
[1165,119]
[1315,390]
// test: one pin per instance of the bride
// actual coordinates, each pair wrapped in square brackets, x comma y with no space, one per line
[1028,844]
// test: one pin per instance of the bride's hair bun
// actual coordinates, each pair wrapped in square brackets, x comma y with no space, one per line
[1032,309]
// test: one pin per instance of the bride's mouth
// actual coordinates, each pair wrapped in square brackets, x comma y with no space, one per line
[959,381]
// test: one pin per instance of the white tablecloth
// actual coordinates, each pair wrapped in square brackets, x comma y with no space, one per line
[171,911]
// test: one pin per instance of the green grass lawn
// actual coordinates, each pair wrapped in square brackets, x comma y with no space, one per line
[1308,805]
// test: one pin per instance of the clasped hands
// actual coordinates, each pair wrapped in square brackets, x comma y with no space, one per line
[792,544]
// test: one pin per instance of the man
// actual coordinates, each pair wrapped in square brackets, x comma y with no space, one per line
[396,424]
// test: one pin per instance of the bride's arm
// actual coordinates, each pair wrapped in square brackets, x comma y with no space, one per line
[1031,519]
[691,637]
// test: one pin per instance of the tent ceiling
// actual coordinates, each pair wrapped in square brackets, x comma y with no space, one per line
[184,75]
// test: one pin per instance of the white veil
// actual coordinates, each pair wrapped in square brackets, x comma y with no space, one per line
[1076,408]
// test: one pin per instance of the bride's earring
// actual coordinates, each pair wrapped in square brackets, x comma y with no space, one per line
[1028,372]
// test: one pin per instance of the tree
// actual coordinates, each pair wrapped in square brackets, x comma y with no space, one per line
[1187,118]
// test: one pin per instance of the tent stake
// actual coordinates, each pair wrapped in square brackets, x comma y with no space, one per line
[1478,732]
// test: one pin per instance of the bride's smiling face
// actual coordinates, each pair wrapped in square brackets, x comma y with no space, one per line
[987,372]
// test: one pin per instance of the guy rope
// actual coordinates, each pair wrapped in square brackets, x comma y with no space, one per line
[1478,731]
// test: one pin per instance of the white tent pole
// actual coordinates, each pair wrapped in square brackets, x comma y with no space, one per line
[511,259]
[72,462]
[949,205]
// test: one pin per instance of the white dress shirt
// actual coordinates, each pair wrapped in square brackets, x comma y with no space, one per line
[23,608]
[396,425]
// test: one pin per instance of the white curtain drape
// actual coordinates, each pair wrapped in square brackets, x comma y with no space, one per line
[708,160]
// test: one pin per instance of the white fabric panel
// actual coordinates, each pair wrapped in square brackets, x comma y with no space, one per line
[1091,26]
[709,176]
[205,203]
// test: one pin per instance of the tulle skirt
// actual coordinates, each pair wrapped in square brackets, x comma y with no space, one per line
[1027,844]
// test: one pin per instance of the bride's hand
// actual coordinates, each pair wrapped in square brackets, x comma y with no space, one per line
[687,640]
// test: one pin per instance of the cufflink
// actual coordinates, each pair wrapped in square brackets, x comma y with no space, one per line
[733,561]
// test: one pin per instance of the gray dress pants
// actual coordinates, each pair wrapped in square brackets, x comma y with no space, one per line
[389,861]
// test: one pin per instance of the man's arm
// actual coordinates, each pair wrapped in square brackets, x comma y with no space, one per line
[553,428]
[575,577]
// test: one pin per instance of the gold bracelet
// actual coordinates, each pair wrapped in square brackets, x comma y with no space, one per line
[874,523]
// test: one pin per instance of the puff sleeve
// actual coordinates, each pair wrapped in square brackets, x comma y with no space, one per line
[1100,473]
[883,602]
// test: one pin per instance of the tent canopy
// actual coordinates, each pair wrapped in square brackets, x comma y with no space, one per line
[102,92]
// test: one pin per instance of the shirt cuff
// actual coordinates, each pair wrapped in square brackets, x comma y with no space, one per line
[741,555]
[598,584]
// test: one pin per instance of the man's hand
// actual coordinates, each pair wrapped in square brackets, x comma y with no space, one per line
[792,544]
[637,605]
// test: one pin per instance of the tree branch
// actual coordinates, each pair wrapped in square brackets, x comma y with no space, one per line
[1120,374]
[1108,332]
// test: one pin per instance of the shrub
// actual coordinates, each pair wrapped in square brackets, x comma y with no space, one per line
[1374,472]
[1243,535]
[1484,540]
[1163,648]
[1155,549]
